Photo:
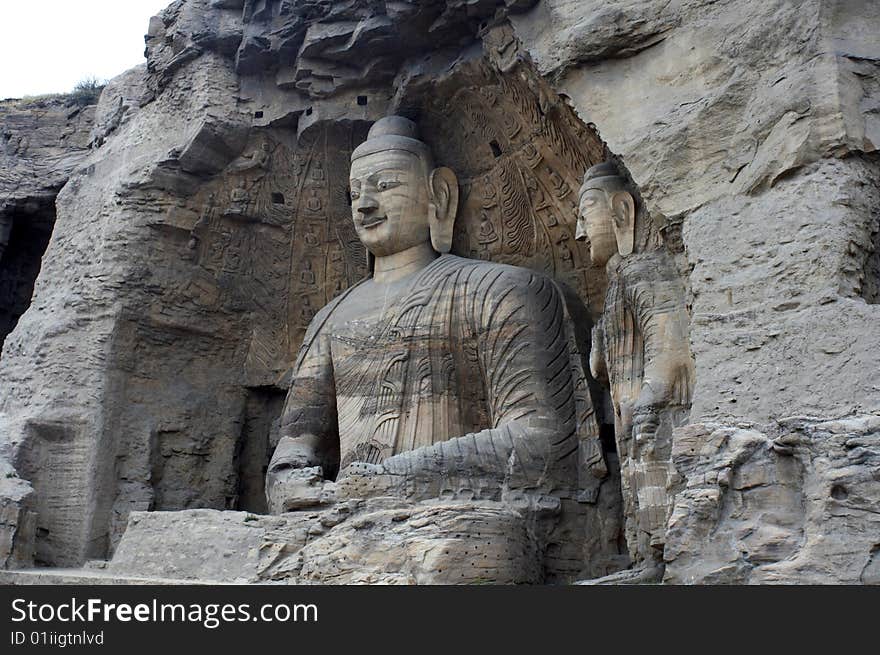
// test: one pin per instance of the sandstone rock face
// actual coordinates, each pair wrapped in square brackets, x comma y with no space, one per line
[795,504]
[18,520]
[381,541]
[194,242]
[42,141]
[751,131]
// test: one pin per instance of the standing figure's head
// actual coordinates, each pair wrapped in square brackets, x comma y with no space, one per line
[607,213]
[398,199]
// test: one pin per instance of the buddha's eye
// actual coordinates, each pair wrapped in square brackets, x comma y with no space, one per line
[384,185]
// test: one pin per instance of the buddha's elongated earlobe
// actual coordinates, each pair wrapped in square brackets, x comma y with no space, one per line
[623,210]
[443,208]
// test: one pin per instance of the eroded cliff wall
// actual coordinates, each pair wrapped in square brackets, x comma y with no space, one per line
[210,221]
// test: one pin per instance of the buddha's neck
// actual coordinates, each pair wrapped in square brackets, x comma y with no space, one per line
[400,264]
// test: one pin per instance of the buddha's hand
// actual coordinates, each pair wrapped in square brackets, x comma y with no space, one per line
[293,483]
[646,417]
[290,489]
[645,432]
[667,381]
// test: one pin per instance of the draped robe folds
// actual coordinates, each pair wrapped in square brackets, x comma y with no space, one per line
[462,380]
[642,336]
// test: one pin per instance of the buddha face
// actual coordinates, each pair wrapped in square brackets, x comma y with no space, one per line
[595,222]
[390,201]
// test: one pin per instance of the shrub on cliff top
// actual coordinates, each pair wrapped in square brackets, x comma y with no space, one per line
[87,91]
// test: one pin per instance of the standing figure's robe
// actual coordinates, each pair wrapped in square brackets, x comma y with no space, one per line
[458,377]
[642,338]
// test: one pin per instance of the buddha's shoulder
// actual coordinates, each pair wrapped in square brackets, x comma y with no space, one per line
[490,281]
[495,275]
[482,269]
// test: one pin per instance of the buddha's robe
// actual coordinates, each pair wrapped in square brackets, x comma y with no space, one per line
[461,373]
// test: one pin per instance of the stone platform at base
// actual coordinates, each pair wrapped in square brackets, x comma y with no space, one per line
[86,576]
[379,541]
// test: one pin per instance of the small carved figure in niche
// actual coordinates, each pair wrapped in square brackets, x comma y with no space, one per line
[489,95]
[536,193]
[560,186]
[318,171]
[314,203]
[239,200]
[640,346]
[307,276]
[490,193]
[550,219]
[486,236]
[437,376]
[5,233]
[258,160]
[564,251]
[232,258]
[310,239]
[298,168]
[306,311]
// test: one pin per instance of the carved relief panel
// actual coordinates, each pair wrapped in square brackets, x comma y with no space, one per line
[519,157]
[274,238]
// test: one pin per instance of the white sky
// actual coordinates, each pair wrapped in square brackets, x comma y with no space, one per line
[47,46]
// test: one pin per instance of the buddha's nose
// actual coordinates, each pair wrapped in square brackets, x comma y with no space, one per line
[581,231]
[367,204]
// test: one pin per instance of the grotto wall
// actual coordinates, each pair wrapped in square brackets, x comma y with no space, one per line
[752,128]
[209,221]
[43,140]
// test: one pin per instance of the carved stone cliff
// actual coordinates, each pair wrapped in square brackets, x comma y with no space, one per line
[195,239]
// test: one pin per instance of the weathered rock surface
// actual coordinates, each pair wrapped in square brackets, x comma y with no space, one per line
[18,520]
[795,503]
[751,131]
[41,142]
[705,99]
[374,542]
[196,239]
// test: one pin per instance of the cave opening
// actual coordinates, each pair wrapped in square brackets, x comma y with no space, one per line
[255,446]
[25,229]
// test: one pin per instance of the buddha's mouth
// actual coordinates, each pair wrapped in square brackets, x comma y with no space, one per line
[373,222]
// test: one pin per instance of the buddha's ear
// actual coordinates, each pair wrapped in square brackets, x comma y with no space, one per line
[623,210]
[443,208]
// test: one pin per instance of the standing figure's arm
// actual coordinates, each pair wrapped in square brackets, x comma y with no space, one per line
[657,299]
